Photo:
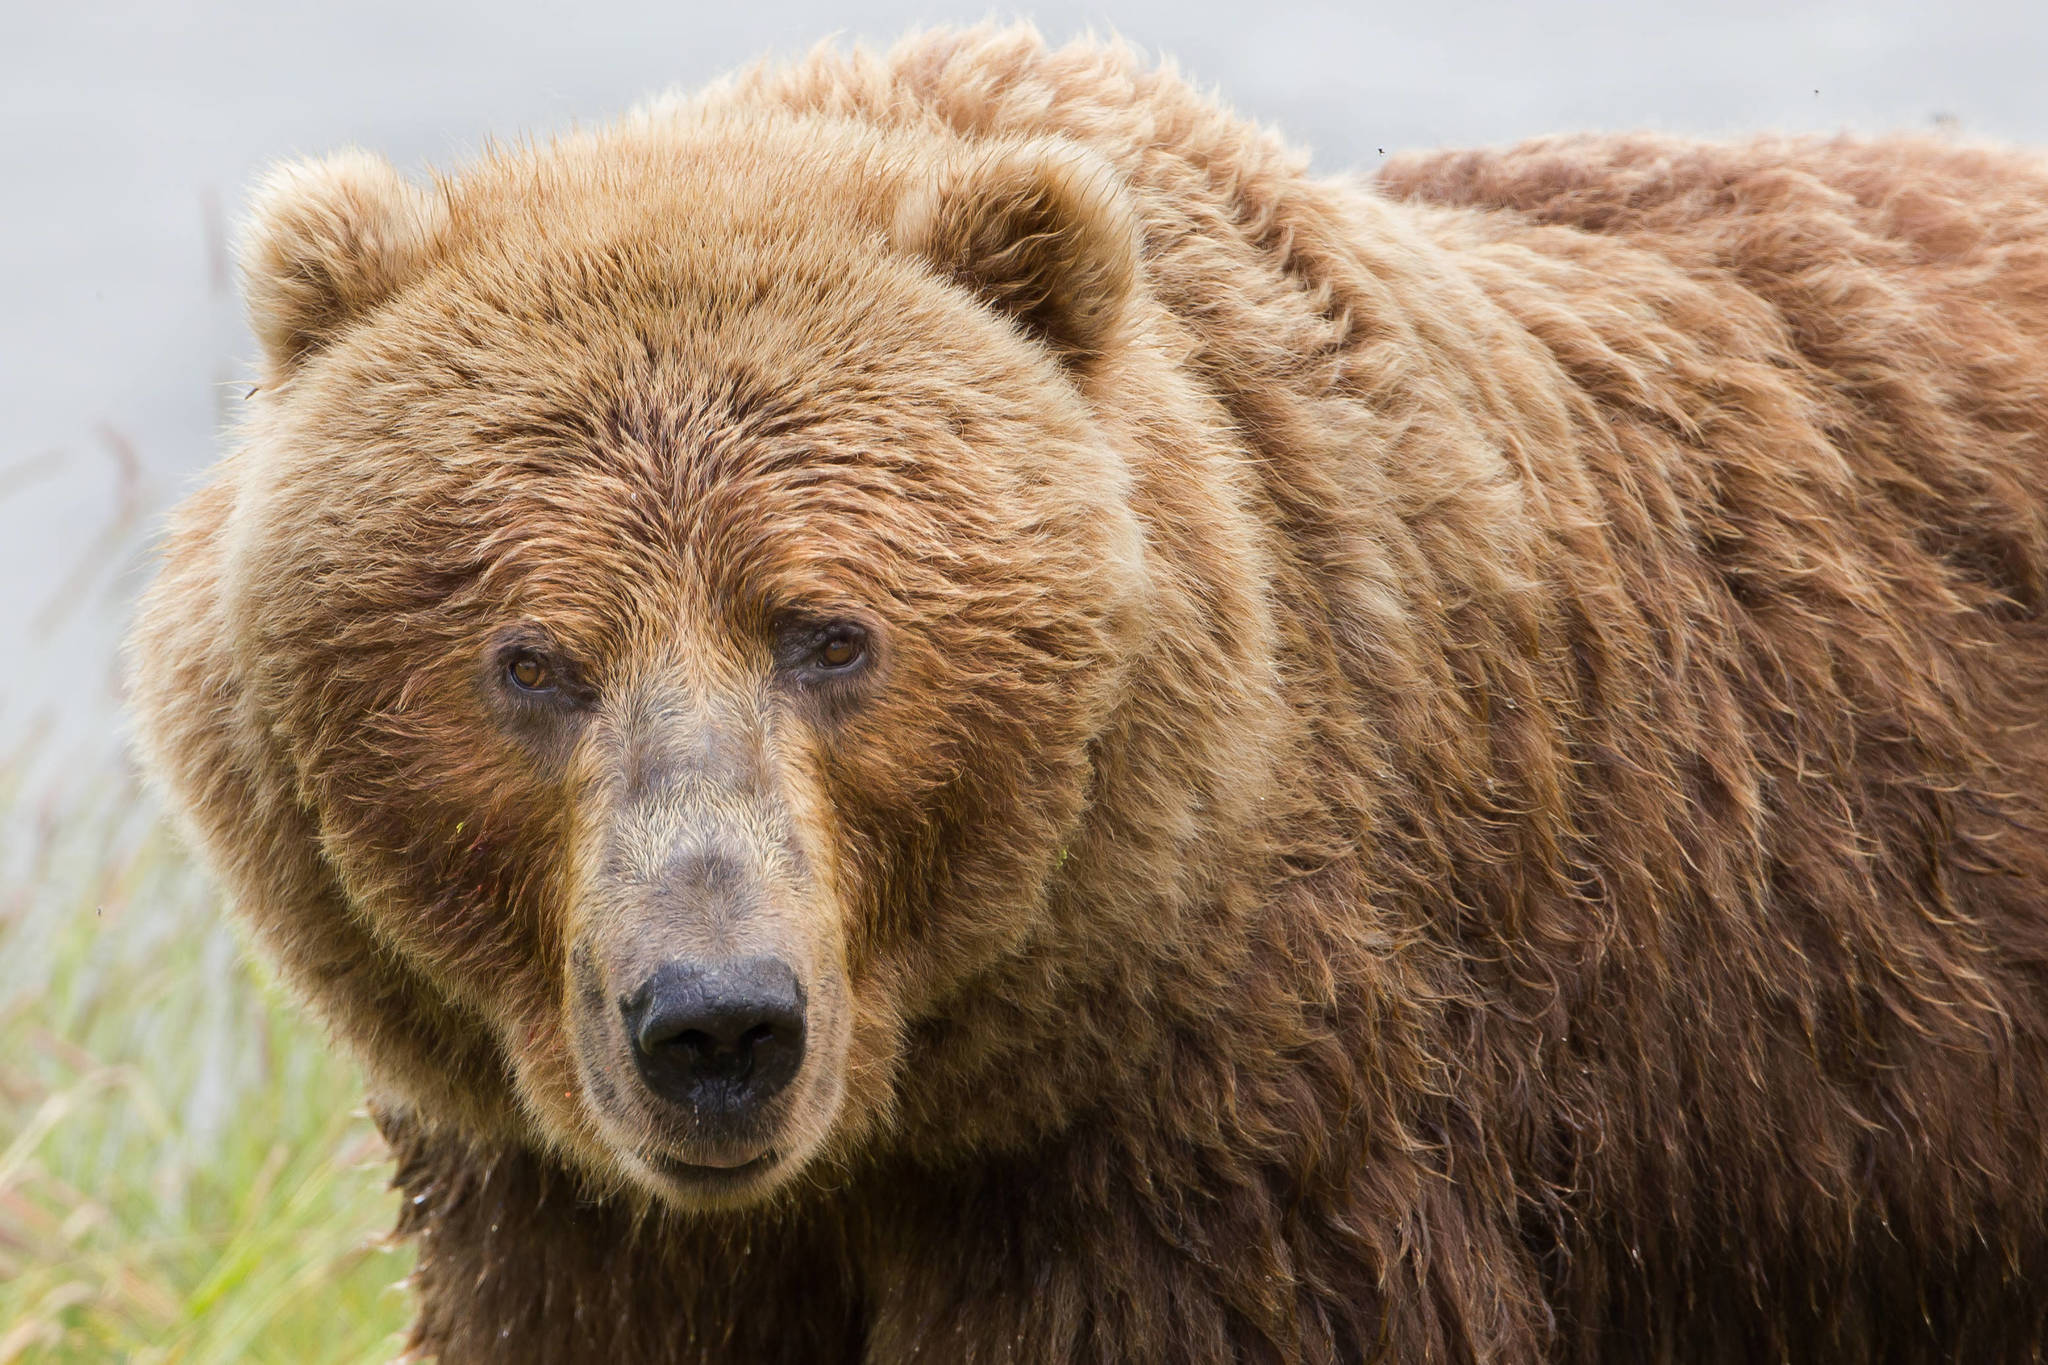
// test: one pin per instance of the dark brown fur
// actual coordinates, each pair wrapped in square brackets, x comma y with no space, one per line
[1545,861]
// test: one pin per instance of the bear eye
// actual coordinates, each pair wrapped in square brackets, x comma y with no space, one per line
[530,672]
[843,646]
[810,651]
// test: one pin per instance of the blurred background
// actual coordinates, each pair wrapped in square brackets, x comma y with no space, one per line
[183,1173]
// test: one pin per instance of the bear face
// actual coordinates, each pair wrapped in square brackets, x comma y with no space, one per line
[682,579]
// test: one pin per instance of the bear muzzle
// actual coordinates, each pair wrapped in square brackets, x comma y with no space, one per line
[707,994]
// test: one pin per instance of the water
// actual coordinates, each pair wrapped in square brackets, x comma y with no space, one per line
[133,129]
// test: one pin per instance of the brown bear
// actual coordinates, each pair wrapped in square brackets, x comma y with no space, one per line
[933,708]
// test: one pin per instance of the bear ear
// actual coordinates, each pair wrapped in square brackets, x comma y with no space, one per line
[1043,231]
[327,241]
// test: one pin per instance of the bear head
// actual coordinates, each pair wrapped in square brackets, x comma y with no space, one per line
[666,594]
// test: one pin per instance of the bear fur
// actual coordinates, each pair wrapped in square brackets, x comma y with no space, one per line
[1457,773]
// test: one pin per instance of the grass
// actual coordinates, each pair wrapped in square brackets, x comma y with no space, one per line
[185,1170]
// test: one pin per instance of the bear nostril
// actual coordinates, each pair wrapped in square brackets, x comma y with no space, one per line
[721,1039]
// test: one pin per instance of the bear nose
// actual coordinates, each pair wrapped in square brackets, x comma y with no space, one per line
[720,1039]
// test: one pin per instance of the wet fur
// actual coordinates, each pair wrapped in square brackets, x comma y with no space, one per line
[1561,873]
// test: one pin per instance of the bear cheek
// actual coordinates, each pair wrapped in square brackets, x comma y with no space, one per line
[946,822]
[469,897]
[452,853]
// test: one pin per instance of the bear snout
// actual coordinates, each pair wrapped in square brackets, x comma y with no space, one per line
[720,1039]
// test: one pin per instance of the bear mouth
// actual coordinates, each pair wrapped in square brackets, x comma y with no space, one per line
[712,1178]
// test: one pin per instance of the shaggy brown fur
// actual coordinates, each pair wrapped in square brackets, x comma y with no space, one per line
[1457,772]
